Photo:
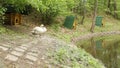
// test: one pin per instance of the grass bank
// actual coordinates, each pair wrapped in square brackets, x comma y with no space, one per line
[109,24]
[11,34]
[67,57]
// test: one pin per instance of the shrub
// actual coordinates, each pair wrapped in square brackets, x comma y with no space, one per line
[2,10]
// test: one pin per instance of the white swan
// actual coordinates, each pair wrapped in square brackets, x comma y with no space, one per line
[39,30]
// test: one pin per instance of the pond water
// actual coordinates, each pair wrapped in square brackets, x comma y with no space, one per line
[106,49]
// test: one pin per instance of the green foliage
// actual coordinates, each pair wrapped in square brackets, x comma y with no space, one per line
[2,29]
[113,8]
[2,10]
[118,7]
[80,6]
[74,58]
[49,9]
[88,5]
[55,27]
[102,5]
[19,5]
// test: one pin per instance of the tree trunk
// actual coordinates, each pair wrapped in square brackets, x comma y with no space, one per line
[84,12]
[115,9]
[108,6]
[109,3]
[94,15]
[82,21]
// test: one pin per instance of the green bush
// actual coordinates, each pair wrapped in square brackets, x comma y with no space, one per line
[2,10]
[49,9]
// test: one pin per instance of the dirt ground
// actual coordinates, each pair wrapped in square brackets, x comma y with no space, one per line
[22,49]
[26,52]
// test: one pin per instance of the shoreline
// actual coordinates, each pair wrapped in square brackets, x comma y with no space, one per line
[97,34]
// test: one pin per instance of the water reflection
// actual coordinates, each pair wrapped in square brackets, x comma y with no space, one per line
[108,51]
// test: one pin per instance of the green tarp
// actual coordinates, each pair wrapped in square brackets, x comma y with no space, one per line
[99,21]
[69,21]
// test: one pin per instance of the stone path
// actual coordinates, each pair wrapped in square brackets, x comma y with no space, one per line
[29,54]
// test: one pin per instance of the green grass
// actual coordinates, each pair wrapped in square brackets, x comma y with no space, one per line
[68,57]
[2,29]
[11,34]
[110,24]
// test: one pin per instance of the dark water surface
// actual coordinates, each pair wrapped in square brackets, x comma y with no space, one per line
[106,49]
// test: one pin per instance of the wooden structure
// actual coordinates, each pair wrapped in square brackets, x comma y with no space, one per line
[12,19]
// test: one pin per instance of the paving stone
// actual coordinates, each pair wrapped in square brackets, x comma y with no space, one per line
[6,45]
[43,58]
[33,54]
[3,48]
[11,57]
[30,57]
[34,42]
[34,51]
[25,48]
[25,45]
[29,62]
[19,49]
[17,53]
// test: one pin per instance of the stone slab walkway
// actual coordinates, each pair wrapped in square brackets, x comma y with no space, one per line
[29,54]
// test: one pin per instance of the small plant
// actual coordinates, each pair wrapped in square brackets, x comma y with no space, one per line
[2,30]
[2,10]
[55,27]
[74,58]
